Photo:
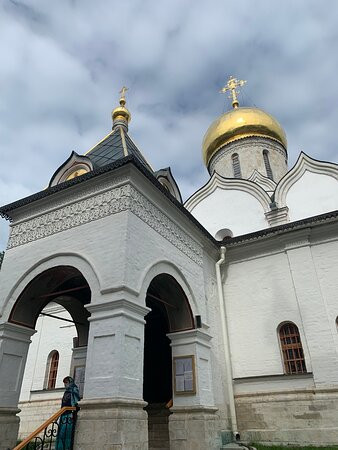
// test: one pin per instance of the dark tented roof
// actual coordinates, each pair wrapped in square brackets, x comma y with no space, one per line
[113,147]
[5,211]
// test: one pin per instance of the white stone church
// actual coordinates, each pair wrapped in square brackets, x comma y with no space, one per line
[186,326]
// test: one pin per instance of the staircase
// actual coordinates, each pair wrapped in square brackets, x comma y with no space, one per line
[158,426]
[59,427]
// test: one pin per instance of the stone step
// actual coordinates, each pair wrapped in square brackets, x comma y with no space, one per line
[236,446]
[161,445]
[158,431]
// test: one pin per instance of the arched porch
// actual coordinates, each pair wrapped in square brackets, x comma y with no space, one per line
[63,285]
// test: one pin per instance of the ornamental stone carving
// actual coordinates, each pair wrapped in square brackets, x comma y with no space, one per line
[112,201]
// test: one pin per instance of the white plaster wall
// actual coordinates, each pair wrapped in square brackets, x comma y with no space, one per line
[195,342]
[314,314]
[273,384]
[94,241]
[212,319]
[34,413]
[147,248]
[259,296]
[233,209]
[325,258]
[311,195]
[297,285]
[52,334]
[121,248]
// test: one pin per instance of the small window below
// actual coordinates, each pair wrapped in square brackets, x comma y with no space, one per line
[267,164]
[292,350]
[76,173]
[52,366]
[236,166]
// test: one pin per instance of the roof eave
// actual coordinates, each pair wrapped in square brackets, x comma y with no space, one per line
[280,229]
[130,159]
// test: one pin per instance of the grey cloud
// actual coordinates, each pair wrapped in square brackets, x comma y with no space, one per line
[62,65]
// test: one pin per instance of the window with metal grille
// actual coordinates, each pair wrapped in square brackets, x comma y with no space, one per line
[292,349]
[236,165]
[53,369]
[267,164]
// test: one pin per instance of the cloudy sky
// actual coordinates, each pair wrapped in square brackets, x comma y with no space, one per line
[63,63]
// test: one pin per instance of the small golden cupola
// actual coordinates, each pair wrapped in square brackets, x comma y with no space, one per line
[228,132]
[121,115]
[117,144]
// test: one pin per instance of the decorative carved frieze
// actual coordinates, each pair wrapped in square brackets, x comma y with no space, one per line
[112,201]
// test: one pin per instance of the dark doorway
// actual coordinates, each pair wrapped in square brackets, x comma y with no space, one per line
[170,312]
[157,376]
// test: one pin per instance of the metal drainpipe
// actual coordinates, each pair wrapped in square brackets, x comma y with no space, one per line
[227,354]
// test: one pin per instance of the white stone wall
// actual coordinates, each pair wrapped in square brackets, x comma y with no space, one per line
[52,334]
[34,413]
[119,240]
[293,281]
[236,210]
[325,258]
[243,206]
[37,403]
[259,295]
[312,194]
[122,239]
[290,278]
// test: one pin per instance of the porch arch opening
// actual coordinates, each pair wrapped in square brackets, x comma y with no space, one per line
[64,285]
[170,312]
[53,303]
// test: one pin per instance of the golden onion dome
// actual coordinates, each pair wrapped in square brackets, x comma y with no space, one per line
[121,112]
[239,123]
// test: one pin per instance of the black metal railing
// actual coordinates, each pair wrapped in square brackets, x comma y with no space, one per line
[56,433]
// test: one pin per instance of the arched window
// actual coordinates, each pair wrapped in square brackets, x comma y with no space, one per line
[267,164]
[292,349]
[236,165]
[52,365]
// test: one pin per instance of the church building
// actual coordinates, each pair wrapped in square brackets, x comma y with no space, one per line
[188,325]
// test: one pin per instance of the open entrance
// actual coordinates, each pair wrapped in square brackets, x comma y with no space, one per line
[63,285]
[53,304]
[170,312]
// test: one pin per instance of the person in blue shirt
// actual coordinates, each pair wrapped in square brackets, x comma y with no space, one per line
[71,397]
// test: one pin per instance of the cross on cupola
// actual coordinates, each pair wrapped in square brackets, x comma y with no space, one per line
[123,95]
[120,115]
[231,86]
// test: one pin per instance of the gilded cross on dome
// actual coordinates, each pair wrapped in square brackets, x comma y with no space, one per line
[123,95]
[231,86]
